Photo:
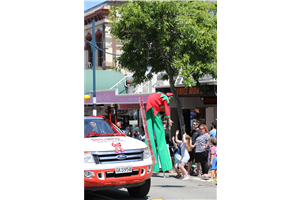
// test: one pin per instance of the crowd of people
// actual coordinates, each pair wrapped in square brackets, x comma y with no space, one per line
[133,131]
[199,147]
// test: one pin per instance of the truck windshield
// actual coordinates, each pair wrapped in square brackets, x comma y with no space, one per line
[98,126]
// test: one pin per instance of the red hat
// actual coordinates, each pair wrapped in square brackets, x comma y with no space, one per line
[170,95]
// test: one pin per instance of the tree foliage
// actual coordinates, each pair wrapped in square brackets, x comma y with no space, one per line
[178,37]
[181,35]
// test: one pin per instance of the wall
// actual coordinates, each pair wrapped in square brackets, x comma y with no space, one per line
[210,116]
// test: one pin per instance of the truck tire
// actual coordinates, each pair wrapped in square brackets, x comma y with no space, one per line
[140,191]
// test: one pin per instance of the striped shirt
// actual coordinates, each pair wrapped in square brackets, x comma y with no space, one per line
[201,141]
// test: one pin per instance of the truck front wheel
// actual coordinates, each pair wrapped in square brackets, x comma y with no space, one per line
[140,191]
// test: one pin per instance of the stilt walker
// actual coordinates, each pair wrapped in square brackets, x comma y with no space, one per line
[154,124]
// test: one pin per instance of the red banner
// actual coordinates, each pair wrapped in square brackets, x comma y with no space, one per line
[146,129]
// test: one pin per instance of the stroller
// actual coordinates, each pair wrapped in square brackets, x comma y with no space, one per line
[192,171]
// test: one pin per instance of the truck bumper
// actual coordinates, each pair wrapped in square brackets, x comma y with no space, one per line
[107,179]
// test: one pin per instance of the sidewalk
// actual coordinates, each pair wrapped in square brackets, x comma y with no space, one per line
[172,174]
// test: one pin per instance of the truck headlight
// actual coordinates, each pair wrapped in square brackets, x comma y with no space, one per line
[148,168]
[146,153]
[88,174]
[88,157]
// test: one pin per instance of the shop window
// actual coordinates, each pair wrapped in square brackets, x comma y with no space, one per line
[100,53]
[90,56]
[133,117]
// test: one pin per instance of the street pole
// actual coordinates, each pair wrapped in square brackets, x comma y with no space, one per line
[94,70]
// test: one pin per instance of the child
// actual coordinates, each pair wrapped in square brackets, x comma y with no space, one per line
[139,135]
[185,148]
[177,156]
[212,154]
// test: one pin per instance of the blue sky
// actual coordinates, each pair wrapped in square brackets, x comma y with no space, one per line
[90,4]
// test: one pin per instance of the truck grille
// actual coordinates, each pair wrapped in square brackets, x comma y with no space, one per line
[110,157]
[114,175]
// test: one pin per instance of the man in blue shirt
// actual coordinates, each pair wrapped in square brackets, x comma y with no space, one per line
[213,130]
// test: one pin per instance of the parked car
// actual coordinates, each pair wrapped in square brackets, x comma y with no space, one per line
[113,160]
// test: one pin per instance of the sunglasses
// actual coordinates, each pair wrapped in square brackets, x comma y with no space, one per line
[194,124]
[202,128]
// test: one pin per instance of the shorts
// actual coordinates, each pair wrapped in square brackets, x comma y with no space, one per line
[177,160]
[214,163]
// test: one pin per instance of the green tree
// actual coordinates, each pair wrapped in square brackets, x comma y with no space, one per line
[178,37]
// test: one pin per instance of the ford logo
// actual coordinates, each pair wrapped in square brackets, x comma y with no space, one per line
[121,157]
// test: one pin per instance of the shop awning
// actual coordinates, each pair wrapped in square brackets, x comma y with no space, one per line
[105,79]
[113,97]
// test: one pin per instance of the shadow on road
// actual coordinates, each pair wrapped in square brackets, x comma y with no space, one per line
[113,194]
[168,186]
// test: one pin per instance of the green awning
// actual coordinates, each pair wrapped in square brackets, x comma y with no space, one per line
[105,79]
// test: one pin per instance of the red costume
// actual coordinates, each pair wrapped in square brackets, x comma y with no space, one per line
[156,102]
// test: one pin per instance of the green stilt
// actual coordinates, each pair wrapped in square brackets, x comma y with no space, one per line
[164,156]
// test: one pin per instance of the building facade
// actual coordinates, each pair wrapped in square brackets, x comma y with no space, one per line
[103,38]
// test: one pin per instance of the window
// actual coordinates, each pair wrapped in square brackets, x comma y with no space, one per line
[90,59]
[100,54]
[97,125]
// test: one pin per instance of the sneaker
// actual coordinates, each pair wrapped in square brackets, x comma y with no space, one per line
[185,178]
[215,180]
[210,180]
[181,178]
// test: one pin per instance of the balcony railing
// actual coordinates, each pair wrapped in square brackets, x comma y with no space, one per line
[88,65]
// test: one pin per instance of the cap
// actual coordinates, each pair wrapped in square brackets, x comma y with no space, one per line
[170,95]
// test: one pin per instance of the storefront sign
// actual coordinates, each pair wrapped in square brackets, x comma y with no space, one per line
[210,100]
[112,97]
[190,91]
[91,108]
[120,111]
[187,91]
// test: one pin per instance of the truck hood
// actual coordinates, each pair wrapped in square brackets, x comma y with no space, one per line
[112,143]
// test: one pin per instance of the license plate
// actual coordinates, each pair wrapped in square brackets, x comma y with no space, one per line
[125,169]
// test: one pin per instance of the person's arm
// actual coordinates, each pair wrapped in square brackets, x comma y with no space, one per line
[173,141]
[167,112]
[211,158]
[183,139]
[178,141]
[193,145]
[206,145]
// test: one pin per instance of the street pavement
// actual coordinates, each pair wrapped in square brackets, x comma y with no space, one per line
[168,188]
[172,173]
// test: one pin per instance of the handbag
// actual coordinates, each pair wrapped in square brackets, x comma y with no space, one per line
[207,149]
